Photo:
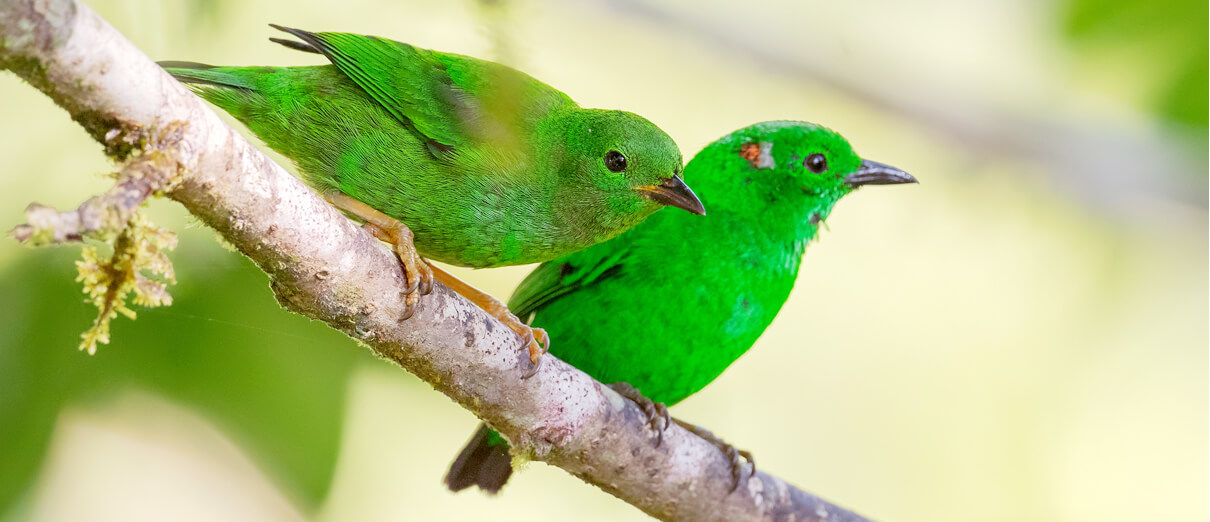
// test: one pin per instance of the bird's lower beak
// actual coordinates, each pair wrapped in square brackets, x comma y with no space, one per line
[874,173]
[674,193]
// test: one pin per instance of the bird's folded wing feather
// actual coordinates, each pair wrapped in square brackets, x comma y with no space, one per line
[556,279]
[455,101]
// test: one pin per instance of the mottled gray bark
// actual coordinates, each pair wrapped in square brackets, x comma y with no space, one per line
[325,267]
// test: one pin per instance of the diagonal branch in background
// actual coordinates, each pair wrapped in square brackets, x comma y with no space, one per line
[1120,170]
[323,266]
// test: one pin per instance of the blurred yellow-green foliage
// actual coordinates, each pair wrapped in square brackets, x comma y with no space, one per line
[1023,336]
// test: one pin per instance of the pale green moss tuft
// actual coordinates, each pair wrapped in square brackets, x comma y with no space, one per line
[138,264]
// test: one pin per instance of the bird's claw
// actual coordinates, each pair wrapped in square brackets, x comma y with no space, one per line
[534,340]
[417,283]
[413,285]
[735,456]
[409,309]
[538,343]
[532,371]
[658,418]
[410,299]
[417,273]
[426,284]
[737,465]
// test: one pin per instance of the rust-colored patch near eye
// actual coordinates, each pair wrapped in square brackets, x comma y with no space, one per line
[750,152]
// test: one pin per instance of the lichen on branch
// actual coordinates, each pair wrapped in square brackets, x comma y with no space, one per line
[137,262]
[137,265]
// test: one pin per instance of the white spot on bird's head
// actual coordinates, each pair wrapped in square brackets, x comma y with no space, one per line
[760,155]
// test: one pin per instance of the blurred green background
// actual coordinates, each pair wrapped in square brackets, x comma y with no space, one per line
[1023,336]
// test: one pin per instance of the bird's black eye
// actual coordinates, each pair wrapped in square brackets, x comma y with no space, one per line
[615,161]
[816,163]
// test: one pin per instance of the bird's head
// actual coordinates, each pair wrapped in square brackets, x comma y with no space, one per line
[622,160]
[800,167]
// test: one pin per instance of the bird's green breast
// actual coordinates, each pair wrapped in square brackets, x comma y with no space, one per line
[693,294]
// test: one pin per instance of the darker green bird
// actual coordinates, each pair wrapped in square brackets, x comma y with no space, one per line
[668,305]
[484,165]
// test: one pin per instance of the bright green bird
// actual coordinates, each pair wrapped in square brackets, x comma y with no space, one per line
[668,305]
[484,164]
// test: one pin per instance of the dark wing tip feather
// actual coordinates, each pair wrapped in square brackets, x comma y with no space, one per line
[284,28]
[313,41]
[297,46]
[307,36]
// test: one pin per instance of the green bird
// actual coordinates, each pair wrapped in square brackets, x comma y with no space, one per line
[669,304]
[449,157]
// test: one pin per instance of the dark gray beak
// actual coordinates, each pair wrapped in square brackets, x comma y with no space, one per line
[874,173]
[674,193]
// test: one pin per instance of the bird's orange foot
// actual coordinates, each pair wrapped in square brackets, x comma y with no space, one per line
[534,340]
[658,418]
[416,270]
[736,456]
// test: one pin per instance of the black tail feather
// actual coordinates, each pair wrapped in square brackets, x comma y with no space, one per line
[312,42]
[480,464]
[297,46]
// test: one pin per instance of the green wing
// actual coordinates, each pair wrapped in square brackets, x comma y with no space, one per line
[554,279]
[453,100]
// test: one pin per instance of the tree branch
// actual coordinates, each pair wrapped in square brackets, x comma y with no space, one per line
[105,215]
[323,266]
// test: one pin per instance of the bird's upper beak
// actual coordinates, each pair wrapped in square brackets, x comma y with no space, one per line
[874,173]
[674,193]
